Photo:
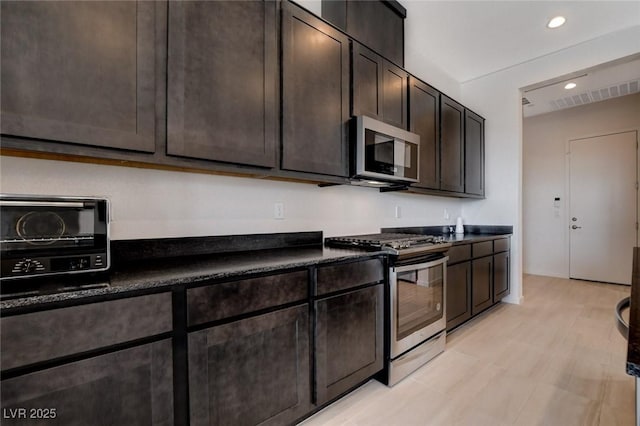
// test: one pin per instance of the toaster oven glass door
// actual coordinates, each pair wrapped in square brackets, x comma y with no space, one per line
[40,227]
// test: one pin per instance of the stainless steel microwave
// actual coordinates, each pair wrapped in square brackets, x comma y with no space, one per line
[384,152]
[43,235]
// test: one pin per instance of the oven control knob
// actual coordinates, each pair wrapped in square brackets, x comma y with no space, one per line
[28,266]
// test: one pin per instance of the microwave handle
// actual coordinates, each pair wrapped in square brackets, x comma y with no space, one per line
[418,266]
[40,204]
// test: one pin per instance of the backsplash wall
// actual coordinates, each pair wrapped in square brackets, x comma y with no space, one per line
[156,203]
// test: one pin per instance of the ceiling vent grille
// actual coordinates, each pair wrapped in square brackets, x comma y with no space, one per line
[525,101]
[598,95]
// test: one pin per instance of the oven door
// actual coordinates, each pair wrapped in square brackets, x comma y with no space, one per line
[418,294]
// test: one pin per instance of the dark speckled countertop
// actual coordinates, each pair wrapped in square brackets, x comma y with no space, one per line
[473,233]
[158,264]
[162,263]
[158,273]
[633,349]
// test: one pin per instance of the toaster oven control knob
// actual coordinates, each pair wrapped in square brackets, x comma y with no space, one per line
[28,266]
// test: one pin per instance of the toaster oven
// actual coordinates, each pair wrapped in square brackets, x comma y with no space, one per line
[46,235]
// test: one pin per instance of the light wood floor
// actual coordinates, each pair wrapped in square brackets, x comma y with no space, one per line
[557,359]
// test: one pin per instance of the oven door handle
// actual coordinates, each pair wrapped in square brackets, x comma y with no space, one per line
[418,266]
[42,204]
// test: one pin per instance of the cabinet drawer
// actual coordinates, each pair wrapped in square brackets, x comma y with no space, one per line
[484,248]
[128,387]
[348,275]
[503,244]
[45,335]
[459,253]
[226,300]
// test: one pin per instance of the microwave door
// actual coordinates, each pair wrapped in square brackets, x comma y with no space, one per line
[406,159]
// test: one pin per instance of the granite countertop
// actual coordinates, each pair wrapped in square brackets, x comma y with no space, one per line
[162,263]
[472,234]
[161,273]
[458,239]
[633,348]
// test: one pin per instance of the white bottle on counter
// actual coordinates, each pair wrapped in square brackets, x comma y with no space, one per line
[459,226]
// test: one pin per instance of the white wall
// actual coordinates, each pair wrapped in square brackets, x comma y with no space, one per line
[418,61]
[155,203]
[497,98]
[545,236]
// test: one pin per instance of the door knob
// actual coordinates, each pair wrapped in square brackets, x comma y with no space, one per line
[576,227]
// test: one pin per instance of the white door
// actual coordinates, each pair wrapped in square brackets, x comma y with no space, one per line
[603,207]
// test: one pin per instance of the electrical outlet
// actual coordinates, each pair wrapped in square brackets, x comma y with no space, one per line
[398,212]
[278,211]
[446,214]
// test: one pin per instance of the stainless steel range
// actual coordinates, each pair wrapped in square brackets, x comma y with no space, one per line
[417,282]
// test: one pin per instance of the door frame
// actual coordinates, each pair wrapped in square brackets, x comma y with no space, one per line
[567,192]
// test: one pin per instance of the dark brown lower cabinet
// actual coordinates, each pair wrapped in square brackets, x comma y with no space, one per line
[251,371]
[349,340]
[482,284]
[458,294]
[501,271]
[128,387]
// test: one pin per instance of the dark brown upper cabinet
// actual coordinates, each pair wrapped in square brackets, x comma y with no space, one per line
[424,119]
[451,145]
[377,24]
[368,81]
[82,72]
[473,153]
[379,87]
[315,94]
[395,95]
[222,81]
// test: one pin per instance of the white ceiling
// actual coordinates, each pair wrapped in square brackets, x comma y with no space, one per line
[471,39]
[619,78]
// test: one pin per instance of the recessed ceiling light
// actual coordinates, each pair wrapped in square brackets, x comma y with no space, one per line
[556,22]
[570,86]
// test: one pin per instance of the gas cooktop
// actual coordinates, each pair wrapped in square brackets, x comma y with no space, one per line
[394,243]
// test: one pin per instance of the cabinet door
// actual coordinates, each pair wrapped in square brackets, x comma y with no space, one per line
[473,153]
[368,81]
[349,340]
[481,284]
[128,387]
[501,271]
[81,72]
[394,102]
[451,145]
[424,119]
[222,81]
[315,94]
[377,26]
[251,371]
[458,294]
